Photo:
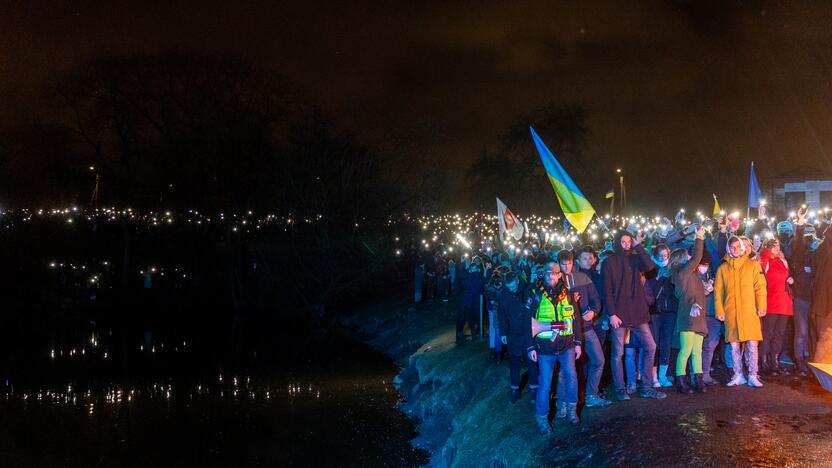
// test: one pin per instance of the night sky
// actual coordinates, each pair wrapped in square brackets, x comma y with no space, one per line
[673,89]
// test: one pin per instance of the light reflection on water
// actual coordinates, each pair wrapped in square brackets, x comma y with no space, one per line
[233,392]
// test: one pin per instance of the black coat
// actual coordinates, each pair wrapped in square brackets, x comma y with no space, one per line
[515,322]
[623,292]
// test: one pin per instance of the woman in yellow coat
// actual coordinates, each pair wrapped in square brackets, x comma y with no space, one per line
[740,301]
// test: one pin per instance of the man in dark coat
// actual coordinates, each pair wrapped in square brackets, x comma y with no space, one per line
[625,303]
[472,288]
[515,325]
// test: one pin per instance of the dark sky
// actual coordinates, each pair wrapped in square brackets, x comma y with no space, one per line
[677,92]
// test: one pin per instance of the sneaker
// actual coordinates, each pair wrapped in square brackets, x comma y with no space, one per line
[665,382]
[737,379]
[515,395]
[595,401]
[657,384]
[622,395]
[631,389]
[742,379]
[543,424]
[754,381]
[562,410]
[709,380]
[647,392]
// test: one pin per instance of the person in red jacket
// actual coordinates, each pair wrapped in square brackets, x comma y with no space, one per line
[779,298]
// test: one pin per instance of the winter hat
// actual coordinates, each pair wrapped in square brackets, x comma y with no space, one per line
[706,258]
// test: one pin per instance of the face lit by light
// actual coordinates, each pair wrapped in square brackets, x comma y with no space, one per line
[735,248]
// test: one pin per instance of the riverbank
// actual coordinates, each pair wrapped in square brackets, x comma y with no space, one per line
[460,399]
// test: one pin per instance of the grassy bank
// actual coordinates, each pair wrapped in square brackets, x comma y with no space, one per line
[460,399]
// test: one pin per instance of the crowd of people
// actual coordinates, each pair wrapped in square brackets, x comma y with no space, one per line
[658,309]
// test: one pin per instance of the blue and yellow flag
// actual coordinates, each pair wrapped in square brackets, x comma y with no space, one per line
[574,204]
[610,194]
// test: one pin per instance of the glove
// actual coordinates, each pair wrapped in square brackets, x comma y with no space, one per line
[695,310]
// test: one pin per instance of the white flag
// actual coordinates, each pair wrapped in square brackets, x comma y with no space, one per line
[509,224]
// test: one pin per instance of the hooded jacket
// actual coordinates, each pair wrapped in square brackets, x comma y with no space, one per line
[515,321]
[779,297]
[739,292]
[802,266]
[624,294]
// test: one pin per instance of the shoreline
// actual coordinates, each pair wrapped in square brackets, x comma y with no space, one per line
[459,400]
[456,396]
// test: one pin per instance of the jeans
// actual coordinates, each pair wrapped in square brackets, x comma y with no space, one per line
[600,332]
[801,328]
[494,330]
[515,363]
[664,337]
[418,284]
[710,344]
[595,355]
[751,356]
[630,356]
[774,330]
[648,346]
[546,366]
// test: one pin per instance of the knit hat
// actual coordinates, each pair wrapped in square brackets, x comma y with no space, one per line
[706,258]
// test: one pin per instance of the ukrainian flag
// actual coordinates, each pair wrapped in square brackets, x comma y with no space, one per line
[610,194]
[574,204]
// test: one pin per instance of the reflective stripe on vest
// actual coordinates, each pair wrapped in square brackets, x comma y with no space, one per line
[547,312]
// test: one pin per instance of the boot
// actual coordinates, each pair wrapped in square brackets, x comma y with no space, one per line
[783,370]
[562,410]
[699,386]
[800,368]
[543,424]
[774,365]
[663,380]
[765,365]
[682,385]
[515,394]
[572,413]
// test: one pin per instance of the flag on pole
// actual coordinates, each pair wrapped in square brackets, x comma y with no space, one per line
[576,208]
[611,197]
[717,209]
[754,192]
[510,226]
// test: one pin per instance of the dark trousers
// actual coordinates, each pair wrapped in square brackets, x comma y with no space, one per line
[515,365]
[801,328]
[662,325]
[774,331]
[469,315]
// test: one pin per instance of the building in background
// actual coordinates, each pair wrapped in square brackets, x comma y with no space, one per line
[807,185]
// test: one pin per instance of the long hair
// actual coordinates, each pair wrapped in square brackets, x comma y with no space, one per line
[676,258]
